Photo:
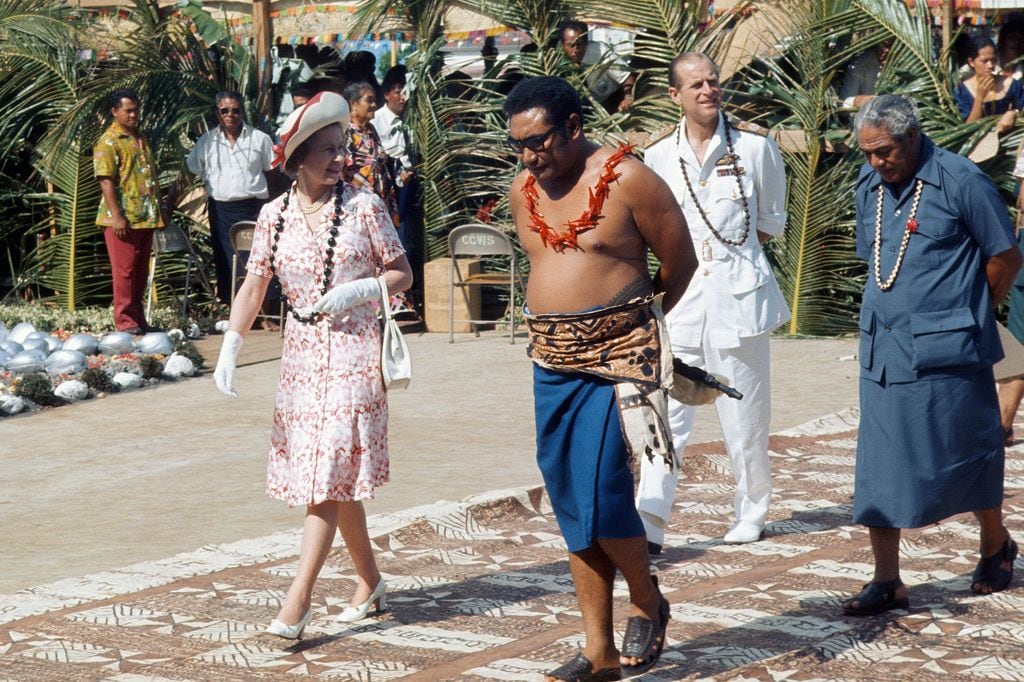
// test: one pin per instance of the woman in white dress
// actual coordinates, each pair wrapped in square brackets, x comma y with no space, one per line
[328,242]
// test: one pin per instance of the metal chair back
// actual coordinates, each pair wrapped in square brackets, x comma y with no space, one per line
[240,235]
[480,240]
[474,240]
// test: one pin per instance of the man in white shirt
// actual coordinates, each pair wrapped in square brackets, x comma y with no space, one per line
[397,143]
[731,185]
[232,160]
[861,79]
[608,78]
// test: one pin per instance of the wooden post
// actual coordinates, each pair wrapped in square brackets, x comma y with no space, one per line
[262,36]
[947,25]
[704,12]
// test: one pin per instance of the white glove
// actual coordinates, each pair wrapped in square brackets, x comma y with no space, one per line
[224,375]
[344,296]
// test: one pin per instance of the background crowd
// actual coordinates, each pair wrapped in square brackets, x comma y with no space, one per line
[796,78]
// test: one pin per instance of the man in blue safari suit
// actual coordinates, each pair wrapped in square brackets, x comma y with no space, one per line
[941,253]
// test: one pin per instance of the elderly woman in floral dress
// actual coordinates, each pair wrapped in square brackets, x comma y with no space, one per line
[327,241]
[367,164]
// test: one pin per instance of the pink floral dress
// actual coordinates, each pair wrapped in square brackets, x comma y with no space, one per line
[330,435]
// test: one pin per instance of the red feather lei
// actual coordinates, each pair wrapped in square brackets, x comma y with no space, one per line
[587,220]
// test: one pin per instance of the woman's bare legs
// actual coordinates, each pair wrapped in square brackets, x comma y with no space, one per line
[352,524]
[317,537]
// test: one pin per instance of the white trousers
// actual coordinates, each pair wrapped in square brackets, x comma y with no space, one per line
[744,426]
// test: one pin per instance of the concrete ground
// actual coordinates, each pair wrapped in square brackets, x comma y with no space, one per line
[478,590]
[144,475]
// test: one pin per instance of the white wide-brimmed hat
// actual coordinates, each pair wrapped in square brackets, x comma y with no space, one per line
[322,109]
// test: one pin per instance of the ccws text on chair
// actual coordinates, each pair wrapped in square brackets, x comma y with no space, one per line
[474,241]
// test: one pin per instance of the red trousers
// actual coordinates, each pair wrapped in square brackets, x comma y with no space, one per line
[129,265]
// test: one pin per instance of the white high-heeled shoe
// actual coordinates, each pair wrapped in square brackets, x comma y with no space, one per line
[278,628]
[379,597]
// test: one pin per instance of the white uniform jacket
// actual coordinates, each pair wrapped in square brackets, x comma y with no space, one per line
[733,290]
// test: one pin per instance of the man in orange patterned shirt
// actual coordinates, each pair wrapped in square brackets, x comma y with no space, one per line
[130,208]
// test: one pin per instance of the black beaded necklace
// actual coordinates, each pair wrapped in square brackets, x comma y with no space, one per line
[736,171]
[332,241]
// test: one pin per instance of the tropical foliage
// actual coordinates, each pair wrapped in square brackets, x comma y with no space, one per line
[785,61]
[55,104]
[787,82]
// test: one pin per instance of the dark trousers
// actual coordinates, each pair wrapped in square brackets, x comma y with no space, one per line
[409,221]
[129,266]
[224,214]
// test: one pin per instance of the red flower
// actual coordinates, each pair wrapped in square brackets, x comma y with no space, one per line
[912,226]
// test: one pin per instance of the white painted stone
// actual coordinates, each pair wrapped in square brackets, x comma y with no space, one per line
[178,366]
[72,391]
[127,380]
[12,404]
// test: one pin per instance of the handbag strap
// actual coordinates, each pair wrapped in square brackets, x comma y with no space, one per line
[385,300]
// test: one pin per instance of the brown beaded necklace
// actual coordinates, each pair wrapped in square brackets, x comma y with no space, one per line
[736,171]
[332,241]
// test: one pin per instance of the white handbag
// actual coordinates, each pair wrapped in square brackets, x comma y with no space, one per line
[395,360]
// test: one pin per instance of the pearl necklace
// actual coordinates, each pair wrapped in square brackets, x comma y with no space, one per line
[316,205]
[731,151]
[332,241]
[910,229]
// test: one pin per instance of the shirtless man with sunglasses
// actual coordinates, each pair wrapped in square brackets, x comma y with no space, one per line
[586,216]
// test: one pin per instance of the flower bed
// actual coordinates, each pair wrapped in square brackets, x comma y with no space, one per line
[41,370]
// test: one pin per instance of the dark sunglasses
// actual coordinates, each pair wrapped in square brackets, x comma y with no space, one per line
[534,143]
[230,110]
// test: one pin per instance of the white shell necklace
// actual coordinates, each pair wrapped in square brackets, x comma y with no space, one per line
[910,229]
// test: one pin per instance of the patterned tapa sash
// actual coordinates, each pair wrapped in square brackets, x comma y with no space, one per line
[627,344]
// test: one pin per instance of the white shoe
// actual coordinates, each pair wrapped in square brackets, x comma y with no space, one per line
[379,597]
[743,532]
[278,628]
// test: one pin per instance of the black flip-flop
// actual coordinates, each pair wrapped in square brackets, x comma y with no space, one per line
[644,639]
[580,669]
[990,571]
[876,597]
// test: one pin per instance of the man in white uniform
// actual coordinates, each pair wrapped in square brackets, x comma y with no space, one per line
[232,160]
[731,185]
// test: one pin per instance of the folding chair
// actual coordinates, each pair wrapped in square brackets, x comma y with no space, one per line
[240,236]
[167,240]
[476,240]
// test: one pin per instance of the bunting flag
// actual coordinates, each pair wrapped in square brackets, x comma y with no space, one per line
[304,25]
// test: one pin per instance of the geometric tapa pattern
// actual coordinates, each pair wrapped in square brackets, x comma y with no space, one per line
[480,590]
